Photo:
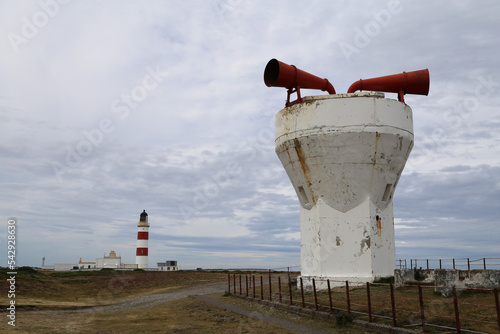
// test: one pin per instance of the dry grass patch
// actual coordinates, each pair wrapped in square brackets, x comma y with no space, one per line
[318,323]
[181,316]
[86,288]
[476,307]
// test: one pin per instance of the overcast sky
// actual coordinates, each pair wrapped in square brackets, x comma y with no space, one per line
[111,107]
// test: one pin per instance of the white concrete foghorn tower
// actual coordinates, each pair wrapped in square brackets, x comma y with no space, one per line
[141,256]
[344,154]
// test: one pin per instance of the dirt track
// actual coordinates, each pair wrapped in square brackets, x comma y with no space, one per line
[151,300]
[201,293]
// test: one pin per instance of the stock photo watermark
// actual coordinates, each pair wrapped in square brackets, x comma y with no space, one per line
[364,35]
[251,325]
[463,108]
[214,184]
[226,8]
[121,108]
[211,190]
[455,118]
[31,26]
[11,265]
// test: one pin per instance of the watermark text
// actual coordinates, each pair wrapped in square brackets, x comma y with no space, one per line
[11,264]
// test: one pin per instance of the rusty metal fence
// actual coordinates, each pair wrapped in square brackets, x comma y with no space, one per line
[452,263]
[409,306]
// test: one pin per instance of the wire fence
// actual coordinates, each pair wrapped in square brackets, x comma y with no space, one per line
[492,263]
[410,306]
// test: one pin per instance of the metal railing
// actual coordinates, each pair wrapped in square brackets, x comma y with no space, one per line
[410,306]
[453,263]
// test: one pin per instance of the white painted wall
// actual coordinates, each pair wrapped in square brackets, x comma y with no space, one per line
[107,262]
[65,266]
[344,154]
[168,268]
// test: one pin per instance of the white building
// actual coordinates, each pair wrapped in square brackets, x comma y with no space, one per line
[86,265]
[110,261]
[63,266]
[167,266]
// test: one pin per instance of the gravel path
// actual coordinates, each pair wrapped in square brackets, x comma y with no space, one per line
[199,292]
[147,301]
[283,323]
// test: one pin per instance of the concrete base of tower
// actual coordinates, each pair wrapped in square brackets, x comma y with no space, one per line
[142,262]
[321,282]
[355,246]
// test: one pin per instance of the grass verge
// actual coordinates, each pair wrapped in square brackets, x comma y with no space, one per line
[48,289]
[181,316]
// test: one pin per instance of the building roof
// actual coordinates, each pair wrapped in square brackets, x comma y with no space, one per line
[85,262]
[112,255]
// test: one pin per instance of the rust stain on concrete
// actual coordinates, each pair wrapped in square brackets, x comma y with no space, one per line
[379,226]
[377,137]
[303,166]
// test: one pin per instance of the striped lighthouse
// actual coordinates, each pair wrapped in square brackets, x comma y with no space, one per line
[141,255]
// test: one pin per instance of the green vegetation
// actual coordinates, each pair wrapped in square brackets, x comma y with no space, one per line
[418,275]
[26,270]
[343,319]
[386,280]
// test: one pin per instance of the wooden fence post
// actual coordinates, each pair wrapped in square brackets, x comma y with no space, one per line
[315,296]
[261,288]
[302,293]
[270,289]
[422,313]
[497,305]
[330,296]
[369,301]
[457,314]
[347,297]
[279,287]
[253,285]
[393,305]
